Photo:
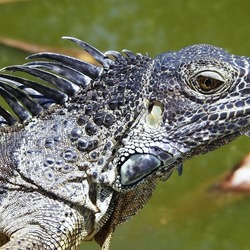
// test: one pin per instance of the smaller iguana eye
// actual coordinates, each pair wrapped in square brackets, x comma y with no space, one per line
[207,81]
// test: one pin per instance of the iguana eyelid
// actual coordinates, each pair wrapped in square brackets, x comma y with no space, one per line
[210,74]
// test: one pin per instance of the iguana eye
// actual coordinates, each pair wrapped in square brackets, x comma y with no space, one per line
[207,82]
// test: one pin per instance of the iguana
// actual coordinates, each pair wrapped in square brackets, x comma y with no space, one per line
[83,146]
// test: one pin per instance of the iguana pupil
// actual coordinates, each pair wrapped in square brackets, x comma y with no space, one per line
[207,84]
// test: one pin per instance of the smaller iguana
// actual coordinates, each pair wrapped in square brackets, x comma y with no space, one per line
[83,146]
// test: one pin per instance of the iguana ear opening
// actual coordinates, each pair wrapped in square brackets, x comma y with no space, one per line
[3,239]
[154,116]
[137,166]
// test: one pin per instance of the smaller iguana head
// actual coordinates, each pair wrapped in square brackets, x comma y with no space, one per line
[197,100]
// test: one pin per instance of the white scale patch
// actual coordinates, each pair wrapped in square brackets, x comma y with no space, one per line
[154,118]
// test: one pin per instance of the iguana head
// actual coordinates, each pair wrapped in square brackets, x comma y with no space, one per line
[197,99]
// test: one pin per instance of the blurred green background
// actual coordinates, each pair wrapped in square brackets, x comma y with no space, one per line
[185,212]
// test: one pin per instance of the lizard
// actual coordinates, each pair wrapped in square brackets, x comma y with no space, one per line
[83,145]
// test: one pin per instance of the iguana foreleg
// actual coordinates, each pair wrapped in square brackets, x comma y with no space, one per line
[32,221]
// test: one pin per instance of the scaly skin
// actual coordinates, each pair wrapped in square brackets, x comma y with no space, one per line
[83,152]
